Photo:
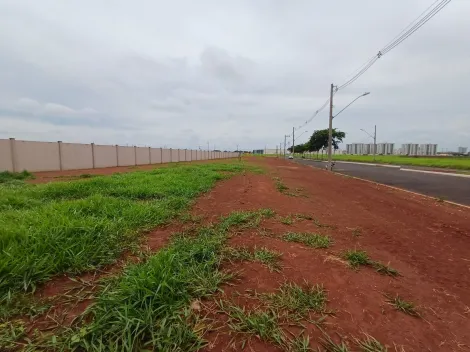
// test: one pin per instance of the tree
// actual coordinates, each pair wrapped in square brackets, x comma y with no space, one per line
[319,139]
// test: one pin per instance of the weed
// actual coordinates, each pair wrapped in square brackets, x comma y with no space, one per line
[263,255]
[298,299]
[402,305]
[330,346]
[384,269]
[309,239]
[7,176]
[357,258]
[440,199]
[321,225]
[286,220]
[11,333]
[304,216]
[370,344]
[264,324]
[87,176]
[300,344]
[246,219]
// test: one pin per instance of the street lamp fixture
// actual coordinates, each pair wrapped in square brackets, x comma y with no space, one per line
[347,106]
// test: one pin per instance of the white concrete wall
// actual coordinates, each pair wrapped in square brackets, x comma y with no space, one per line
[199,155]
[76,156]
[182,154]
[6,163]
[105,156]
[166,155]
[126,156]
[174,155]
[143,155]
[37,156]
[156,155]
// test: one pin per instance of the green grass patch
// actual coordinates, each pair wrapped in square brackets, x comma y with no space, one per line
[298,299]
[72,227]
[263,255]
[7,176]
[11,334]
[287,220]
[402,305]
[309,239]
[331,346]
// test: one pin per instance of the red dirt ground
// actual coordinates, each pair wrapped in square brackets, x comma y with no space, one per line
[426,241]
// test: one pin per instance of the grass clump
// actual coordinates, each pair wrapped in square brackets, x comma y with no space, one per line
[286,220]
[402,305]
[8,176]
[309,239]
[261,323]
[11,333]
[330,346]
[262,255]
[71,227]
[357,258]
[246,219]
[297,299]
[370,344]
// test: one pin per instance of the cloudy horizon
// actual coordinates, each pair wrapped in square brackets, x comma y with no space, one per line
[181,74]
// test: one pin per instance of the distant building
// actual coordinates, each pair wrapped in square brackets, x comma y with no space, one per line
[462,150]
[385,148]
[427,149]
[356,148]
[258,151]
[410,149]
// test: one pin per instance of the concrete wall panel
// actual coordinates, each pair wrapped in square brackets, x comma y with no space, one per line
[156,155]
[174,155]
[166,155]
[199,155]
[76,156]
[105,156]
[182,154]
[126,156]
[143,155]
[5,156]
[37,156]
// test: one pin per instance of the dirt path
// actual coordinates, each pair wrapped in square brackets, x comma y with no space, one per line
[426,241]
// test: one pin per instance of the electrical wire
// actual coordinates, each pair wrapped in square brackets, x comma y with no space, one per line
[314,115]
[420,21]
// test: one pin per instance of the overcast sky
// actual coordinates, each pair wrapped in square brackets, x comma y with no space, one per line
[182,73]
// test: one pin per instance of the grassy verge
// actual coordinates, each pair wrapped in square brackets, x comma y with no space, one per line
[71,227]
[7,176]
[458,163]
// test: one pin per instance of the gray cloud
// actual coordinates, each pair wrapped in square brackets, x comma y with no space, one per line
[245,72]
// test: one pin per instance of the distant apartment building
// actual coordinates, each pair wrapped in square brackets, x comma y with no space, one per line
[385,148]
[462,150]
[410,149]
[427,149]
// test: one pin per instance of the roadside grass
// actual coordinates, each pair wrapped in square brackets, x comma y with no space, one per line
[297,299]
[309,239]
[72,227]
[330,346]
[147,306]
[282,188]
[11,333]
[7,176]
[459,163]
[321,225]
[402,305]
[263,255]
[357,258]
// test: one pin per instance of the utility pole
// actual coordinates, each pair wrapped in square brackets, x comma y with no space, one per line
[293,140]
[330,129]
[285,142]
[375,140]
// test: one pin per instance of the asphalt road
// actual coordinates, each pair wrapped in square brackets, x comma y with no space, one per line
[452,188]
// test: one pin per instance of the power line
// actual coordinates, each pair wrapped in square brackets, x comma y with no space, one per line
[315,114]
[420,21]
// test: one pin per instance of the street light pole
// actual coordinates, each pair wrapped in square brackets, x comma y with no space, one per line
[375,140]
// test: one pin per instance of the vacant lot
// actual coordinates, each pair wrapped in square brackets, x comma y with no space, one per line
[458,163]
[294,259]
